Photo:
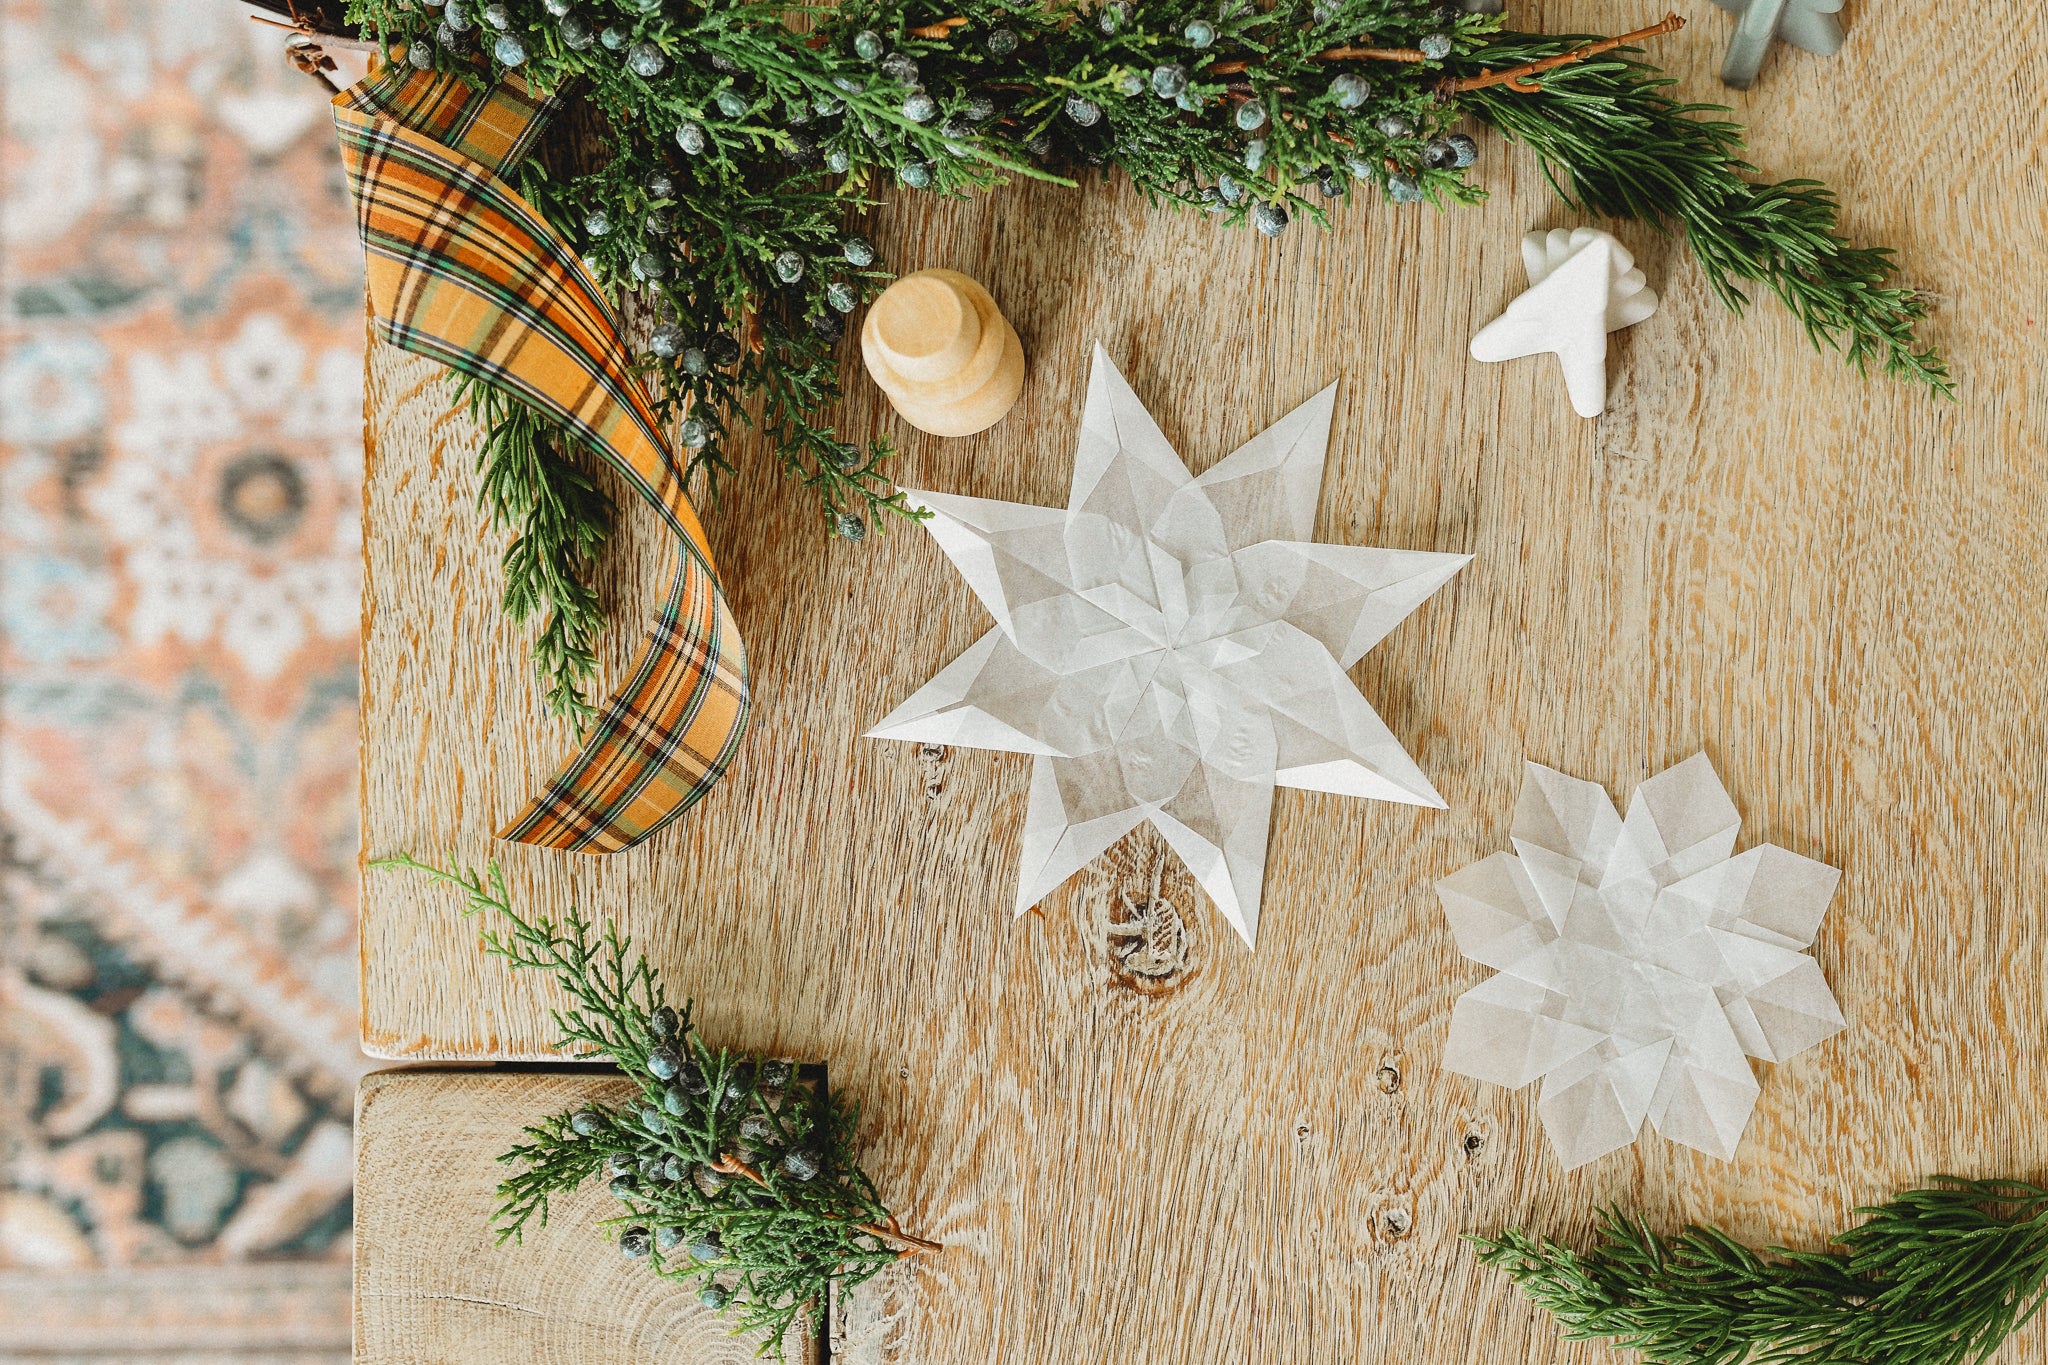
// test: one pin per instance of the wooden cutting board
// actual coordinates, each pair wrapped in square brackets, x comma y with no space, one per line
[1138,1139]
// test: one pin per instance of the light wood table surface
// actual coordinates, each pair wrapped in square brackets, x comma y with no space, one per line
[1139,1140]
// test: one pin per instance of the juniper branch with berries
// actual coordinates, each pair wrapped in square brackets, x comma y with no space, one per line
[732,1172]
[1937,1276]
[743,138]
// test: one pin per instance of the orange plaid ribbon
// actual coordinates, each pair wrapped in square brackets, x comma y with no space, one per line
[465,271]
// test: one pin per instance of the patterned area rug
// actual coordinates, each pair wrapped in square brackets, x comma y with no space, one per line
[180,489]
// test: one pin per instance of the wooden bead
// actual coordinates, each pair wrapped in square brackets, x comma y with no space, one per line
[940,348]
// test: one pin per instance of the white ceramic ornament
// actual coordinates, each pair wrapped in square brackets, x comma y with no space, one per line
[1808,24]
[1582,285]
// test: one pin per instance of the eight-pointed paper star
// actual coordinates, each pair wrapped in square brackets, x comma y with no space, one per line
[1638,961]
[1171,648]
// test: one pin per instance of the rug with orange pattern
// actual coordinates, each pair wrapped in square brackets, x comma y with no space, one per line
[180,491]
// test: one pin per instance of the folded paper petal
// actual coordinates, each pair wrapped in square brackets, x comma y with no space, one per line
[1594,1104]
[1267,489]
[1566,816]
[1502,1031]
[1494,911]
[1348,597]
[1680,822]
[463,270]
[1705,1110]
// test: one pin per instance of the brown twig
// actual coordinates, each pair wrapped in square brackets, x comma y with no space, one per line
[1517,78]
[942,29]
[1335,54]
[1371,54]
[912,1245]
[324,39]
[307,55]
[732,1165]
[306,47]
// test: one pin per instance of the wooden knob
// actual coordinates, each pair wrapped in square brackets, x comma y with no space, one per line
[948,359]
[926,328]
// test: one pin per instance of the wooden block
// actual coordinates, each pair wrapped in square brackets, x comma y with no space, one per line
[936,343]
[432,1285]
[1137,1139]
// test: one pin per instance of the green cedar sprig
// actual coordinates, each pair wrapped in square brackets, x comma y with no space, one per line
[562,521]
[1937,1276]
[732,1172]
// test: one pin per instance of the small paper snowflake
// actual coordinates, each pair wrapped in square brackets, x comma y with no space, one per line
[1640,964]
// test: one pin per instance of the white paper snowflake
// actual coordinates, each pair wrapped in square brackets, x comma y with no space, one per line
[1172,648]
[1641,965]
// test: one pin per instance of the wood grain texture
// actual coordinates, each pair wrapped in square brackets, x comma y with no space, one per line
[1141,1141]
[433,1287]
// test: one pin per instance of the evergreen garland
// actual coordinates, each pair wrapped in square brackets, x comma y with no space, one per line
[1938,1276]
[739,138]
[732,1172]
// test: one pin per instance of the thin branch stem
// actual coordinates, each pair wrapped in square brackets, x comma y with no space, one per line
[323,39]
[1335,54]
[1372,54]
[912,1245]
[1517,78]
[732,1165]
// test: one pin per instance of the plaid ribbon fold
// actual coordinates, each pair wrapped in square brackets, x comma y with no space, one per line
[463,270]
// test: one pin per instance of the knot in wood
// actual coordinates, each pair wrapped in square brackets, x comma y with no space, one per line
[932,759]
[1149,941]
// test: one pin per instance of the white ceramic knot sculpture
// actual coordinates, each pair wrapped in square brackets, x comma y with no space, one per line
[1582,285]
[948,359]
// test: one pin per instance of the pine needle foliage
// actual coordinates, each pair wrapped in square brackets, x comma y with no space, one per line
[561,520]
[732,1172]
[741,143]
[1937,1276]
